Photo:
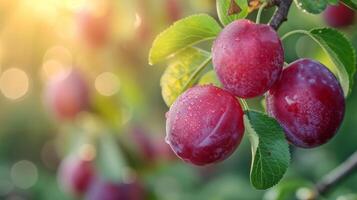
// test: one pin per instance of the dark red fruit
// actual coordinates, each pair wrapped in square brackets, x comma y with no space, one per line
[339,15]
[204,125]
[67,95]
[248,58]
[151,149]
[94,25]
[105,190]
[308,102]
[144,144]
[75,175]
[173,9]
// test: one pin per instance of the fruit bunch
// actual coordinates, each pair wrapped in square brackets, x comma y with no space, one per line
[79,178]
[209,113]
[205,124]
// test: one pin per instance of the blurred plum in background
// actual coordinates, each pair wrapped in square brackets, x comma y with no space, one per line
[67,94]
[339,15]
[76,174]
[106,190]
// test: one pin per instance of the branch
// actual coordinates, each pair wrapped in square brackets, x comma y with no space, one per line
[281,14]
[337,175]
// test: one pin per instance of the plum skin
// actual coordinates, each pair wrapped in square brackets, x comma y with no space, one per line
[248,58]
[204,125]
[94,28]
[67,95]
[75,175]
[339,15]
[106,190]
[308,102]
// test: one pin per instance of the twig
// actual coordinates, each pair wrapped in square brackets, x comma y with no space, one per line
[281,14]
[337,175]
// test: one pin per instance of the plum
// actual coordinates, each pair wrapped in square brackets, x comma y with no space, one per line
[204,125]
[67,94]
[75,175]
[248,58]
[308,102]
[94,26]
[107,190]
[339,15]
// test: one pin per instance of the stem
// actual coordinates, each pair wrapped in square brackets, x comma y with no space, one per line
[337,175]
[281,14]
[244,104]
[257,21]
[196,73]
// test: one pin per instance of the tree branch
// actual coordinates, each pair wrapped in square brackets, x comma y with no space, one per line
[337,175]
[281,14]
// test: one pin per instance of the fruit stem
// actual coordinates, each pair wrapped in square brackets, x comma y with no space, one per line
[281,13]
[244,104]
[337,175]
[196,73]
[257,21]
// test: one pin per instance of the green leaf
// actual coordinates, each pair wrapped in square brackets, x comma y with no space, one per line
[332,2]
[341,53]
[182,34]
[182,72]
[351,3]
[210,78]
[270,150]
[312,6]
[110,160]
[223,11]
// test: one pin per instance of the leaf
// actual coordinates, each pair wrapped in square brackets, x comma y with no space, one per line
[332,2]
[351,3]
[223,8]
[312,6]
[210,78]
[181,72]
[182,34]
[270,150]
[110,159]
[341,53]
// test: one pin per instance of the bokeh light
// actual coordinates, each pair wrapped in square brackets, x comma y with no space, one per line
[107,84]
[24,174]
[14,83]
[138,21]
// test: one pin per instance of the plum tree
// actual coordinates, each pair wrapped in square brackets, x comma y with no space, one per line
[308,102]
[305,102]
[67,94]
[204,125]
[339,15]
[107,190]
[248,58]
[75,175]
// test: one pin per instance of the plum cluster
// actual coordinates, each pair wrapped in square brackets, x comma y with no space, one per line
[205,124]
[79,178]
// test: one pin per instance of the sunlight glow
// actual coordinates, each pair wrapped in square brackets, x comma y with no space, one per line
[14,83]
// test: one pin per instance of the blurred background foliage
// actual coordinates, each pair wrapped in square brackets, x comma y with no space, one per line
[122,132]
